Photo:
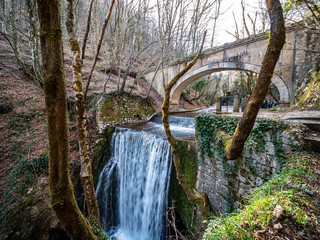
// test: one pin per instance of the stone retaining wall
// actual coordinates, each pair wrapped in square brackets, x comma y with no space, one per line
[226,182]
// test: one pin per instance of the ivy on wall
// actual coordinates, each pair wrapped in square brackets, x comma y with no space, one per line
[211,145]
[265,131]
[207,127]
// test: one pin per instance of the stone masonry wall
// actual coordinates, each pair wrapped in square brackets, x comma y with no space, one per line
[226,182]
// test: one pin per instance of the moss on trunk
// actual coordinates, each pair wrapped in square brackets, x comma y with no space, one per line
[201,200]
[62,199]
[271,56]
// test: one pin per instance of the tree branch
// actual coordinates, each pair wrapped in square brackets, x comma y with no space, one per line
[201,200]
[98,50]
[87,31]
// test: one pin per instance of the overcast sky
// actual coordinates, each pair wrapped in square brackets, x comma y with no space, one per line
[226,21]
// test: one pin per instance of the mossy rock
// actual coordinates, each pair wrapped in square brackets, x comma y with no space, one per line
[102,153]
[188,156]
[36,220]
[124,108]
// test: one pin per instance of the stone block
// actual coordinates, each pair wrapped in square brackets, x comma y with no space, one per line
[246,153]
[219,166]
[267,137]
[262,170]
[270,149]
[221,189]
[259,181]
[275,166]
[244,191]
[242,179]
[260,158]
[219,203]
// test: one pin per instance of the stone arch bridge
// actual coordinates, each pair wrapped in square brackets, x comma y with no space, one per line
[246,54]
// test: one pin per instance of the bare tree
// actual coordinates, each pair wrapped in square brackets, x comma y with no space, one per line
[305,11]
[87,31]
[98,50]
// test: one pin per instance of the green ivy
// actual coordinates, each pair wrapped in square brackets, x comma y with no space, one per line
[207,127]
[210,144]
[98,231]
[257,136]
[22,173]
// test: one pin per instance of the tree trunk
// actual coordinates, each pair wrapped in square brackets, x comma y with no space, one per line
[62,199]
[34,41]
[3,15]
[202,200]
[81,115]
[276,42]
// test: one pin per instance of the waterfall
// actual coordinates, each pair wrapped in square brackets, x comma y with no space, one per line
[183,122]
[133,187]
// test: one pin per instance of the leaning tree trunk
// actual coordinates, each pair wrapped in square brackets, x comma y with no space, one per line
[62,199]
[86,167]
[276,42]
[202,200]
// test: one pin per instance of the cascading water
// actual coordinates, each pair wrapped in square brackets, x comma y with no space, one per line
[133,187]
[180,126]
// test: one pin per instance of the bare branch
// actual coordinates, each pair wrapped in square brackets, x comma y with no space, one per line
[87,31]
[98,50]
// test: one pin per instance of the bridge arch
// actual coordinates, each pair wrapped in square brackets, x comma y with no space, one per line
[225,66]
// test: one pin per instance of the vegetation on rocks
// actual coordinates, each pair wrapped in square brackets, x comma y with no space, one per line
[117,108]
[286,206]
[211,141]
[22,174]
[189,162]
[102,153]
[140,34]
[308,89]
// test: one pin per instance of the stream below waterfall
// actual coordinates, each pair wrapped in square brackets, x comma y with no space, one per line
[133,187]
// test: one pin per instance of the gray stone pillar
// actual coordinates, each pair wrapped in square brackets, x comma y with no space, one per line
[236,103]
[218,104]
[244,104]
